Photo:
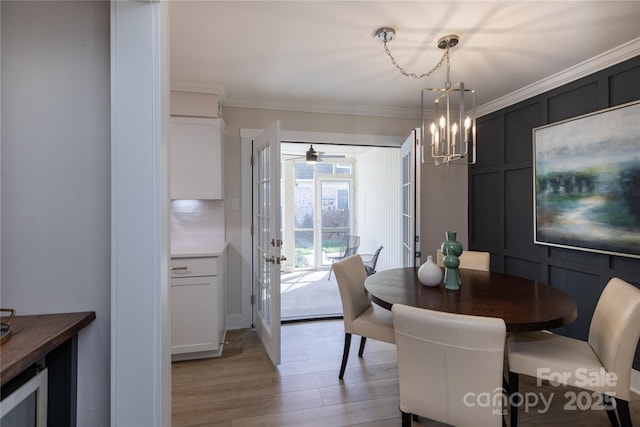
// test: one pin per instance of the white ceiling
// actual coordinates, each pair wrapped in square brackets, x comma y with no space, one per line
[321,56]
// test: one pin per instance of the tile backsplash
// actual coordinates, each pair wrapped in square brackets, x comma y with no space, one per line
[197,220]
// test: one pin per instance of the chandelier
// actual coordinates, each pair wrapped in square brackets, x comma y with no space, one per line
[447,113]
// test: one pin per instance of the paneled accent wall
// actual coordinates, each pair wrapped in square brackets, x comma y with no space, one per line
[501,192]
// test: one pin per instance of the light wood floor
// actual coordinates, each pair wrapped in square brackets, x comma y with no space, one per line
[242,388]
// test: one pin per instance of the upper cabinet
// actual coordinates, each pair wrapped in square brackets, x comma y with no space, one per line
[196,158]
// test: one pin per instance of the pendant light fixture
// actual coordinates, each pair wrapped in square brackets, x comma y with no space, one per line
[447,114]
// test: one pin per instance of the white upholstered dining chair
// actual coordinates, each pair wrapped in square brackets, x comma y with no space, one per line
[447,363]
[475,260]
[361,317]
[606,356]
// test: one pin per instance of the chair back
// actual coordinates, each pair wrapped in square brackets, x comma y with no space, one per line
[352,245]
[350,274]
[447,364]
[370,265]
[474,260]
[615,330]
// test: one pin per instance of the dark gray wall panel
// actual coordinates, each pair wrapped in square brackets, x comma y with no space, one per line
[523,268]
[574,102]
[517,133]
[502,179]
[627,265]
[485,224]
[585,288]
[590,259]
[624,86]
[518,211]
[488,142]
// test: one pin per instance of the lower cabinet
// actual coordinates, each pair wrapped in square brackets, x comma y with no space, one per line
[197,307]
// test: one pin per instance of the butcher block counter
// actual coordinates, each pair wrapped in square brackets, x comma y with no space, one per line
[50,339]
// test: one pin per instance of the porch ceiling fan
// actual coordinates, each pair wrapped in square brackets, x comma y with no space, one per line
[313,156]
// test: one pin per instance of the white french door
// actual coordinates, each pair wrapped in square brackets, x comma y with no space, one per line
[267,239]
[411,200]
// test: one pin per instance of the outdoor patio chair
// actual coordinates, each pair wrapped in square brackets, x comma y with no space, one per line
[370,261]
[348,246]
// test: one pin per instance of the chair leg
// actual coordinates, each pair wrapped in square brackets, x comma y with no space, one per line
[611,411]
[623,413]
[330,270]
[363,341]
[513,394]
[345,354]
[406,419]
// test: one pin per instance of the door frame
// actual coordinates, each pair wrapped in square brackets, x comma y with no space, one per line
[307,137]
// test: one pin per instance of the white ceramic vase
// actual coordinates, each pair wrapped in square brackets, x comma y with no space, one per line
[429,273]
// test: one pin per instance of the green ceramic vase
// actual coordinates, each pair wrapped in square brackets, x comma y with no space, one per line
[451,249]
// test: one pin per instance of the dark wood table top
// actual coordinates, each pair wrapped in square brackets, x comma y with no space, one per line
[523,304]
[34,336]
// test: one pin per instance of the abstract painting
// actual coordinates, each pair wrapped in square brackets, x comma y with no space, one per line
[587,182]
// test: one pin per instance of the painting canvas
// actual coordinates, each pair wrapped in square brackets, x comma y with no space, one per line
[587,182]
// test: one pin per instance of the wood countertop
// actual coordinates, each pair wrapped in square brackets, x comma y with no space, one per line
[33,336]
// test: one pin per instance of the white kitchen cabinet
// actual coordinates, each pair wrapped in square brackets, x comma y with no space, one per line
[196,158]
[197,307]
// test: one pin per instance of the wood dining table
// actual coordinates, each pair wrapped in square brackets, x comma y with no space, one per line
[523,304]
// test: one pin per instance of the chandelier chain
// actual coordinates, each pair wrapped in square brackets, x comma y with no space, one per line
[445,56]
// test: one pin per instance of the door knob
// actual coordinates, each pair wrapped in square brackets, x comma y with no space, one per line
[270,259]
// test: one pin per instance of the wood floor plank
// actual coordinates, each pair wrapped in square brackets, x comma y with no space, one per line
[243,389]
[335,415]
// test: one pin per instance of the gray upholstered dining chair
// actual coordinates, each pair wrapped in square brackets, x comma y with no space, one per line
[361,317]
[607,354]
[447,363]
[475,260]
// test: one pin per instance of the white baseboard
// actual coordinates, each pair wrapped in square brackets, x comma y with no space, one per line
[234,321]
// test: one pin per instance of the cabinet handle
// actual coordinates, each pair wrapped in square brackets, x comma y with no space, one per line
[181,269]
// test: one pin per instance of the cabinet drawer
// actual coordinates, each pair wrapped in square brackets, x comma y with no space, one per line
[189,267]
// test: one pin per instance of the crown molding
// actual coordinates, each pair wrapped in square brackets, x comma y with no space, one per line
[216,88]
[355,110]
[614,56]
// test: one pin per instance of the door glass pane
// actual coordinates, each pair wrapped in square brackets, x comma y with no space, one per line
[335,199]
[343,168]
[263,225]
[326,168]
[303,196]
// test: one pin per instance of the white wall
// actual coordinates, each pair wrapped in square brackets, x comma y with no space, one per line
[444,205]
[55,178]
[378,195]
[140,328]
